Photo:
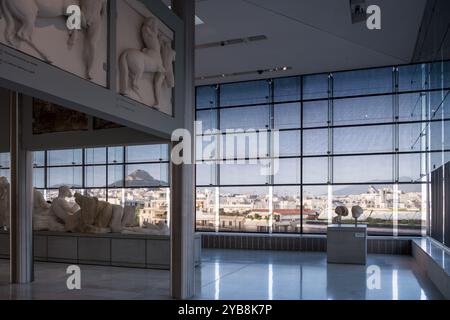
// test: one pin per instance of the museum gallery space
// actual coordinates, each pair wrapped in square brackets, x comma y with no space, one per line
[225,150]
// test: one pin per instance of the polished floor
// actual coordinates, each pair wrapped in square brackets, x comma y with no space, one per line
[241,275]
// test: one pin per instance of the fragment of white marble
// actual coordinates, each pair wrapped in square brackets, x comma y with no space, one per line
[116,220]
[357,212]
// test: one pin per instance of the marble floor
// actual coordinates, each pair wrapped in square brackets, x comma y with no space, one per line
[241,275]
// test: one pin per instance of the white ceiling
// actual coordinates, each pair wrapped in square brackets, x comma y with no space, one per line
[311,36]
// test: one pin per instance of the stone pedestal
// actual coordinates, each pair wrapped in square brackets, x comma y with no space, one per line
[347,244]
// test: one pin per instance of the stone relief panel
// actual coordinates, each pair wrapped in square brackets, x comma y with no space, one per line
[39,28]
[145,57]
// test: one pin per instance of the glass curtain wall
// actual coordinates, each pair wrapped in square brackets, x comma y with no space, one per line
[362,137]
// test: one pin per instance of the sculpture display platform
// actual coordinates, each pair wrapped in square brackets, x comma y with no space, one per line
[347,244]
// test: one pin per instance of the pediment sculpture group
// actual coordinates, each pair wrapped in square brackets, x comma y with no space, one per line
[86,215]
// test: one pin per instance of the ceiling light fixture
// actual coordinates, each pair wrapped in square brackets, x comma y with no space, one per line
[244,73]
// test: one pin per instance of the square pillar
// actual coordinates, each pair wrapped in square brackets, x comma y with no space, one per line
[21,200]
[183,176]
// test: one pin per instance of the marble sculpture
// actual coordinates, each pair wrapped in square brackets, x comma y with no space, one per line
[341,211]
[21,17]
[156,57]
[357,212]
[86,215]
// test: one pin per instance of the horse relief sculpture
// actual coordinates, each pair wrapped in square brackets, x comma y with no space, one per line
[157,58]
[21,17]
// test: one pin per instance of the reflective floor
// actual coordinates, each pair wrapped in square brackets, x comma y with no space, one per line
[242,275]
[233,274]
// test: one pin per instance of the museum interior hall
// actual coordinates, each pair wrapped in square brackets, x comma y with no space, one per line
[225,150]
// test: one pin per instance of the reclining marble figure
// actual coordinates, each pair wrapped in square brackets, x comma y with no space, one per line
[43,219]
[95,215]
[88,215]
[67,213]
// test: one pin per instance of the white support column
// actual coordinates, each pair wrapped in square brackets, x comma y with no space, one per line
[183,177]
[21,200]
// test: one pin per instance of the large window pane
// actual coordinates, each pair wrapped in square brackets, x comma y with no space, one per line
[244,174]
[206,97]
[38,178]
[245,118]
[289,144]
[206,173]
[286,209]
[243,93]
[115,176]
[208,119]
[412,208]
[315,114]
[362,82]
[363,110]
[146,175]
[440,135]
[250,144]
[39,158]
[411,167]
[5,173]
[287,116]
[116,196]
[439,105]
[95,177]
[4,160]
[206,147]
[206,206]
[153,206]
[287,171]
[100,194]
[412,137]
[149,153]
[437,71]
[244,209]
[115,155]
[315,87]
[413,77]
[370,139]
[315,142]
[315,170]
[377,202]
[70,176]
[363,169]
[438,159]
[65,157]
[315,209]
[95,156]
[412,107]
[287,89]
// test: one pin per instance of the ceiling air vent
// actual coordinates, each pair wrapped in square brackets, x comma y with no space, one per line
[231,42]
